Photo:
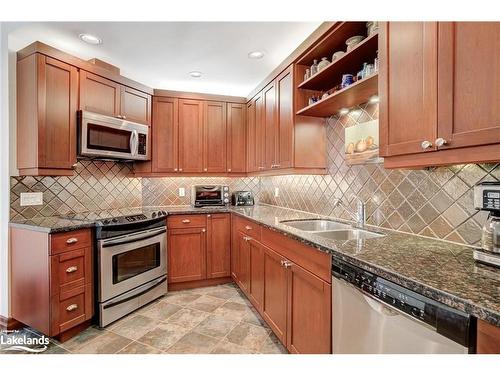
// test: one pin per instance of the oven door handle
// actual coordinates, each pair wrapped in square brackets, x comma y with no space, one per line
[130,239]
[134,137]
[127,297]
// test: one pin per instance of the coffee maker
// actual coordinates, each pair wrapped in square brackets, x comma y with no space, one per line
[487,198]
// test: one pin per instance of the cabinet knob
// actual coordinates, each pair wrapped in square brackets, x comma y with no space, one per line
[203,230]
[229,169]
[426,144]
[286,263]
[72,307]
[175,169]
[124,117]
[440,142]
[205,169]
[209,215]
[248,227]
[72,240]
[119,116]
[71,269]
[246,238]
[180,169]
[261,167]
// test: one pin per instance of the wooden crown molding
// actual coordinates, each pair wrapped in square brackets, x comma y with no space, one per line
[199,96]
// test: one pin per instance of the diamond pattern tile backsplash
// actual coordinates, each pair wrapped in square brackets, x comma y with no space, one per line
[96,185]
[436,203]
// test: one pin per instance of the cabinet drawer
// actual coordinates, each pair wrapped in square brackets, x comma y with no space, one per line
[187,221]
[248,227]
[71,311]
[77,239]
[70,270]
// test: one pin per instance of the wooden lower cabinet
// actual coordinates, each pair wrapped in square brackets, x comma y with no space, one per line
[186,254]
[274,309]
[488,338]
[287,282]
[52,288]
[309,312]
[198,249]
[218,245]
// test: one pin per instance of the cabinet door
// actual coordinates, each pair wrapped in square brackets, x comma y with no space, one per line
[135,105]
[100,95]
[190,135]
[469,83]
[256,291]
[252,161]
[186,254]
[218,245]
[235,252]
[57,126]
[214,137]
[270,125]
[165,130]
[275,293]
[236,138]
[244,262]
[285,122]
[309,313]
[407,87]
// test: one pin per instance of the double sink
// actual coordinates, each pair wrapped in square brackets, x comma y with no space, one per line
[331,229]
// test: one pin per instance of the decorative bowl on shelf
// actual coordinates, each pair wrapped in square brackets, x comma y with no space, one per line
[353,41]
[337,55]
[323,64]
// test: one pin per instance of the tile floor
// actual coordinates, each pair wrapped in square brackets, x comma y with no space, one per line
[217,319]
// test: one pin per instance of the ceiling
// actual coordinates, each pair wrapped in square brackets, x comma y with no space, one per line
[161,54]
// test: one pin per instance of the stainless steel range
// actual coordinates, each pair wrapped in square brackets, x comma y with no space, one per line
[131,262]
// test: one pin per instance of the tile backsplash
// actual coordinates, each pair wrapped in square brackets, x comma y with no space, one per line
[436,202]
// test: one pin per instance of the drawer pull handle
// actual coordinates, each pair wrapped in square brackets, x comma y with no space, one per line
[72,240]
[71,269]
[186,221]
[246,238]
[72,307]
[203,230]
[248,227]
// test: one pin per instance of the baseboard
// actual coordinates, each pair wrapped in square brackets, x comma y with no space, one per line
[199,283]
[9,323]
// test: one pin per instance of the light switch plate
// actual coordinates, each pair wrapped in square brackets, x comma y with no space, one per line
[182,192]
[276,192]
[31,199]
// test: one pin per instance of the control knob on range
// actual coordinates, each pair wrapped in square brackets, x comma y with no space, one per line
[153,215]
[114,220]
[106,222]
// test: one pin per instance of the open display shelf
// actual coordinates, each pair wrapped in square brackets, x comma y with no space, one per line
[351,62]
[357,93]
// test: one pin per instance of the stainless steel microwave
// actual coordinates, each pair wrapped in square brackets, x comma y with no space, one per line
[105,137]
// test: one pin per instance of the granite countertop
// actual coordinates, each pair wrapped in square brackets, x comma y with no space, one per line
[443,271]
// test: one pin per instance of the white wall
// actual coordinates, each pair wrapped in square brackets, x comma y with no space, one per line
[4,172]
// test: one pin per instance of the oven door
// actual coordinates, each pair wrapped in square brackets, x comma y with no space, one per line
[110,138]
[129,261]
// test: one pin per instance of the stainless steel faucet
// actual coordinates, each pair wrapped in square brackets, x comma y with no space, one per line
[359,215]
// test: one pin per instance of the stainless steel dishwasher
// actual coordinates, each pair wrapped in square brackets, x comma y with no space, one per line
[372,315]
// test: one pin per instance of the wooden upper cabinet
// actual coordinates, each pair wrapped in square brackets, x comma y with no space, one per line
[190,135]
[270,125]
[407,87]
[309,313]
[99,95]
[47,101]
[218,245]
[135,105]
[106,97]
[214,137]
[165,131]
[236,138]
[186,254]
[256,134]
[469,83]
[285,119]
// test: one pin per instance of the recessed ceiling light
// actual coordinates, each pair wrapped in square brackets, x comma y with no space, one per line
[256,55]
[344,111]
[195,74]
[90,39]
[374,99]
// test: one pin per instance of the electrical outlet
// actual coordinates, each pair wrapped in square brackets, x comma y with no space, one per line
[276,192]
[182,192]
[31,199]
